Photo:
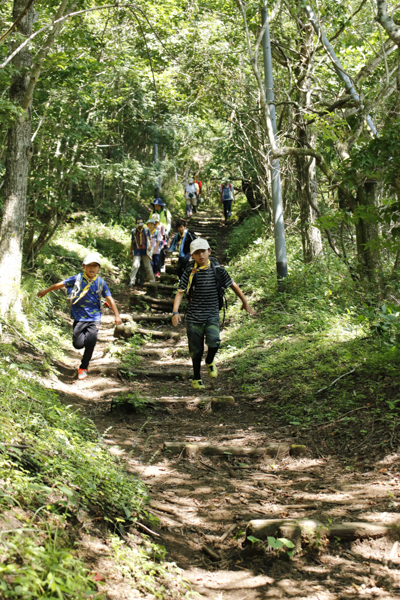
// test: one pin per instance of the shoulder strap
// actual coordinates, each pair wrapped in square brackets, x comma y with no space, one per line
[100,287]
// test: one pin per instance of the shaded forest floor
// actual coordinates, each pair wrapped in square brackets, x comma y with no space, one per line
[204,503]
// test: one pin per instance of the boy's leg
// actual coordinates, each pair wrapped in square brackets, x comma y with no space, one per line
[141,276]
[85,336]
[156,263]
[135,268]
[147,266]
[226,210]
[213,341]
[195,333]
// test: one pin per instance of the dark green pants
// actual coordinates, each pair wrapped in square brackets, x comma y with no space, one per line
[197,332]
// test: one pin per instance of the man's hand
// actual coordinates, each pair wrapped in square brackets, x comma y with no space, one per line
[118,320]
[41,293]
[246,306]
[176,320]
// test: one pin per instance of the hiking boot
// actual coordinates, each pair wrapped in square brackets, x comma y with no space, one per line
[82,374]
[197,384]
[212,370]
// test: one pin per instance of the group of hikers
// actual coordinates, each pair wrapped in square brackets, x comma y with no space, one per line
[193,195]
[201,278]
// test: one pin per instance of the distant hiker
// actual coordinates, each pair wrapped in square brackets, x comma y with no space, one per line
[154,246]
[164,241]
[140,242]
[85,291]
[166,220]
[226,196]
[204,281]
[200,186]
[198,183]
[181,243]
[191,198]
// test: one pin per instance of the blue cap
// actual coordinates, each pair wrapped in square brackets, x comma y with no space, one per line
[158,202]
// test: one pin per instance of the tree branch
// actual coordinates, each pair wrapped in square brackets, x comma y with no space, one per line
[387,22]
[17,21]
[37,67]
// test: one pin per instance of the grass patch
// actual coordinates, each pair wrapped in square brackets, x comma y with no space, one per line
[323,327]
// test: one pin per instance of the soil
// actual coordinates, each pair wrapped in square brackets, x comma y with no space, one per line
[203,504]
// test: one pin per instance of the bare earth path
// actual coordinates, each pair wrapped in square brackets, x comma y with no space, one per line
[204,502]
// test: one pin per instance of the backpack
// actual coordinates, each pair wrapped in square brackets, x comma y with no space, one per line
[77,288]
[222,302]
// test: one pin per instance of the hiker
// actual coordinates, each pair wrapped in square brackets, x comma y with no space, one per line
[140,241]
[160,208]
[191,198]
[198,183]
[181,243]
[85,291]
[226,196]
[154,246]
[204,281]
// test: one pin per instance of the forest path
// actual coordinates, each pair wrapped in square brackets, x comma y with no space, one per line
[204,502]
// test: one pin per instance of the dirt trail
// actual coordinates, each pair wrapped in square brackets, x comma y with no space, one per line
[203,503]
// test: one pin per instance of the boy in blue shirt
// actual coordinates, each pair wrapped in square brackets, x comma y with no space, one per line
[84,292]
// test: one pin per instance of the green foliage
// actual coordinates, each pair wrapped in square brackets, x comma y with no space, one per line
[47,569]
[319,330]
[64,450]
[130,401]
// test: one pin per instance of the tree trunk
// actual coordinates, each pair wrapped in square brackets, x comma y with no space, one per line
[368,244]
[19,151]
[306,169]
[307,195]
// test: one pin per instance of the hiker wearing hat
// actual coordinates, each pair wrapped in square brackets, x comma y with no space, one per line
[205,282]
[226,196]
[140,249]
[84,292]
[191,195]
[165,216]
[154,246]
[165,219]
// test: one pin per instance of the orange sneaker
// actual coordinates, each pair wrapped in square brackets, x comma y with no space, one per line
[82,373]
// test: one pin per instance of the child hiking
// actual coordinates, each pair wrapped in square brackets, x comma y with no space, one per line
[140,245]
[204,282]
[84,292]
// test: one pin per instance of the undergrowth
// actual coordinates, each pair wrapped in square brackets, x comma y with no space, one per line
[324,327]
[58,479]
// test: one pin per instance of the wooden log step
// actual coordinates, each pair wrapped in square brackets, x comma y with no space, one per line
[171,270]
[159,374]
[264,528]
[221,403]
[196,400]
[181,400]
[161,287]
[126,330]
[151,317]
[271,449]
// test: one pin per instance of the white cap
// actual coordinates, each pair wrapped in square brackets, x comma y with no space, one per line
[199,244]
[155,217]
[93,257]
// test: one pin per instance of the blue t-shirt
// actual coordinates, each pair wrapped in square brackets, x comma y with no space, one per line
[87,308]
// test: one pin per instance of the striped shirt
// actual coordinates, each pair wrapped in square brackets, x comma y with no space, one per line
[204,302]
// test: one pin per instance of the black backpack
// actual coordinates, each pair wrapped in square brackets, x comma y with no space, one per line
[216,267]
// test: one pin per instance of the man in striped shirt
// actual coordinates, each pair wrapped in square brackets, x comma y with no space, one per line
[203,311]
